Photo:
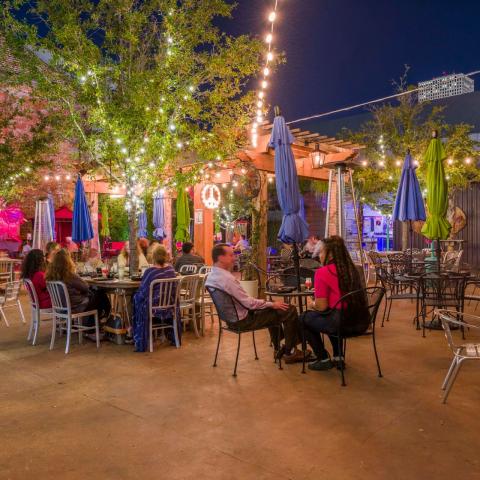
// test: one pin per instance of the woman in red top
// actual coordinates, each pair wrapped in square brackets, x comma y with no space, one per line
[33,268]
[337,277]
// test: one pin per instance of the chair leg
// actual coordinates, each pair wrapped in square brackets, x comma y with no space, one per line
[452,380]
[80,331]
[175,332]
[97,330]
[36,326]
[279,336]
[4,317]
[30,331]
[384,311]
[194,320]
[21,311]
[304,347]
[254,346]
[376,353]
[218,343]
[54,331]
[151,334]
[238,352]
[449,373]
[389,310]
[69,335]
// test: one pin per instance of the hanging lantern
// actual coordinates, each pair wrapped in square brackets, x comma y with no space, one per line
[318,158]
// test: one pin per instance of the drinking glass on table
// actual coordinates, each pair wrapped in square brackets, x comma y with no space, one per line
[308,283]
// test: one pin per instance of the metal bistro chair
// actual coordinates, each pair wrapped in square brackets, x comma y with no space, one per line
[462,352]
[188,269]
[440,291]
[37,312]
[166,299]
[206,303]
[64,319]
[204,269]
[374,296]
[227,313]
[6,271]
[10,299]
[188,297]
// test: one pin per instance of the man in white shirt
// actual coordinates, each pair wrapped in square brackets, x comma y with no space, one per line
[242,244]
[309,247]
[254,312]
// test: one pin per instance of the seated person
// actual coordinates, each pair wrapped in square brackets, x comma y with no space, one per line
[337,277]
[123,257]
[153,245]
[93,262]
[51,248]
[161,269]
[82,297]
[142,252]
[252,312]
[242,244]
[33,268]
[309,247]
[25,248]
[188,257]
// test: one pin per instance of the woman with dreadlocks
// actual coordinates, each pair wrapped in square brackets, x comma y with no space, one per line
[337,277]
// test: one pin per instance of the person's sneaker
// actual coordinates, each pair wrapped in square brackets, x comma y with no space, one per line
[297,356]
[338,362]
[319,365]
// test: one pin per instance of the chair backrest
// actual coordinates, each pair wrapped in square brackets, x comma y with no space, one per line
[446,290]
[448,318]
[12,290]
[225,304]
[205,269]
[32,293]
[188,269]
[188,287]
[60,298]
[398,263]
[164,293]
[356,322]
[291,278]
[6,270]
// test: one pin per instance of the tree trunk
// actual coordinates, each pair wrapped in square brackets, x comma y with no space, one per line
[132,241]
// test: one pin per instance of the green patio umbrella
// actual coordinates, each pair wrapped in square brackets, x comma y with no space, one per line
[182,234]
[437,226]
[105,233]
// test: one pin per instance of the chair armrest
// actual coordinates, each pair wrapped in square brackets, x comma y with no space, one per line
[85,314]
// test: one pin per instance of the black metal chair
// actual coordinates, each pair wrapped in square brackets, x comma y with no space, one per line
[225,305]
[374,296]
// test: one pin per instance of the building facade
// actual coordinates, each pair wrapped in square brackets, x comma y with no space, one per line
[444,87]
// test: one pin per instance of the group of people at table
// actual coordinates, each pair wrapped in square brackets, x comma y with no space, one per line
[336,277]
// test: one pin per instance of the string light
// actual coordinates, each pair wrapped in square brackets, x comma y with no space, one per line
[272,16]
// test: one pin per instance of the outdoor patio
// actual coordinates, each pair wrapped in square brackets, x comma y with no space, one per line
[118,414]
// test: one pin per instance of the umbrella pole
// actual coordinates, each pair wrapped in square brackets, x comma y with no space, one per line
[411,244]
[437,252]
[296,264]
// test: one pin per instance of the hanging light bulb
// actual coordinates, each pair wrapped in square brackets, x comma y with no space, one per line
[266,71]
[272,16]
[264,84]
[269,38]
[450,161]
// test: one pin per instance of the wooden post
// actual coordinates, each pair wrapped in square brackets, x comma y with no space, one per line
[203,226]
[261,206]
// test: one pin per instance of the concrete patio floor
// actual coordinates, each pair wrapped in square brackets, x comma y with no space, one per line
[116,414]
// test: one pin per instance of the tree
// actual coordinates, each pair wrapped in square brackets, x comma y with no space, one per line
[150,86]
[407,126]
[29,132]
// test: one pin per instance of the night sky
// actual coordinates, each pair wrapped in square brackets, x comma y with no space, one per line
[342,52]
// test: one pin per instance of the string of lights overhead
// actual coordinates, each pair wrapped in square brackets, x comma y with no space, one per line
[262,109]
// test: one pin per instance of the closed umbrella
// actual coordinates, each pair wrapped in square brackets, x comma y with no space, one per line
[409,205]
[159,217]
[294,229]
[105,222]
[182,233]
[142,224]
[52,216]
[82,229]
[437,226]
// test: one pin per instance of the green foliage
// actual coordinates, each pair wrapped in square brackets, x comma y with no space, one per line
[148,86]
[407,126]
[117,217]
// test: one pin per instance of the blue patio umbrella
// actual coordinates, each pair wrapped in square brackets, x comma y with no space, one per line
[294,229]
[52,216]
[82,229]
[142,224]
[302,207]
[159,217]
[409,205]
